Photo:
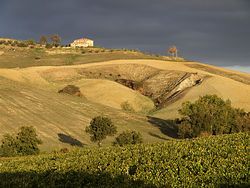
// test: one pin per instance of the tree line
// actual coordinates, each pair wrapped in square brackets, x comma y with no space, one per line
[47,41]
[52,40]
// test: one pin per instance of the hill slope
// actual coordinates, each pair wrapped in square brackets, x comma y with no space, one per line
[13,57]
[28,96]
[61,119]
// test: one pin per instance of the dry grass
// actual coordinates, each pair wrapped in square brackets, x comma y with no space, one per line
[53,114]
[28,96]
[113,94]
[240,77]
[14,57]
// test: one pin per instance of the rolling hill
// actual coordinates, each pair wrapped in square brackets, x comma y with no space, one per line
[154,87]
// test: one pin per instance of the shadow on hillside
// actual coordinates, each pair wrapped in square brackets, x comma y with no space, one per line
[69,140]
[157,136]
[69,179]
[167,127]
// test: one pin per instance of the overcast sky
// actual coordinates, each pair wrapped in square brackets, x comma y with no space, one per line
[211,31]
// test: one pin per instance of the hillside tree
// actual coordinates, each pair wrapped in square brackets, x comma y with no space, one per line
[173,51]
[27,141]
[24,143]
[43,40]
[211,115]
[100,127]
[56,39]
[128,137]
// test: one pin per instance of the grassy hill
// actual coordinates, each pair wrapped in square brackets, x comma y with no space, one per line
[98,90]
[155,88]
[61,119]
[12,57]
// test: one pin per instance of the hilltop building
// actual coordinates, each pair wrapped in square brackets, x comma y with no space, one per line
[83,42]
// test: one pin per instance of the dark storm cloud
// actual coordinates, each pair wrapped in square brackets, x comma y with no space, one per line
[215,31]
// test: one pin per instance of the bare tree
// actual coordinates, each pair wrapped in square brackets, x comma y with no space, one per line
[43,40]
[56,39]
[173,51]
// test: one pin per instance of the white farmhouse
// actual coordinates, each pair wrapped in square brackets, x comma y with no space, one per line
[83,42]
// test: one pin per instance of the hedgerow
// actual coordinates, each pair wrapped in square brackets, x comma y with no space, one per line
[216,161]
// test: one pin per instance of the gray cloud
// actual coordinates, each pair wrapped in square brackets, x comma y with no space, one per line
[215,31]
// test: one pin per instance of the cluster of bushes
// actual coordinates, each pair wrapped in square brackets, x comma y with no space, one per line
[71,90]
[66,45]
[128,50]
[94,50]
[101,50]
[211,115]
[220,161]
[128,137]
[25,43]
[100,127]
[24,143]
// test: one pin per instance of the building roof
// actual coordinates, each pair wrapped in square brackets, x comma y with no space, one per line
[82,40]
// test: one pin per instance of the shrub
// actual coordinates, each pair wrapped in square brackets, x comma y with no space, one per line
[30,42]
[48,46]
[71,90]
[128,137]
[212,115]
[127,107]
[25,143]
[99,128]
[15,42]
[8,42]
[22,44]
[9,146]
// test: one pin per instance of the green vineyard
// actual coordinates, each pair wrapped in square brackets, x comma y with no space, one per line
[217,161]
